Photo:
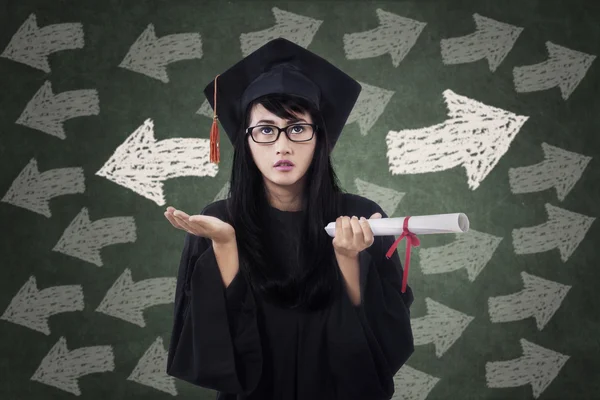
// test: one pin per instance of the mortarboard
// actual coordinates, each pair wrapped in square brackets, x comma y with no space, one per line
[280,66]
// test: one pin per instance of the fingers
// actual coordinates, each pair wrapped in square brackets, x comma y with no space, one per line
[353,232]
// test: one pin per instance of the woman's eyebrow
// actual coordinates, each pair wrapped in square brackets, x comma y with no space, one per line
[290,121]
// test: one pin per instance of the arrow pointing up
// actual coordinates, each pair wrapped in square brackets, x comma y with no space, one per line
[537,366]
[31,45]
[564,230]
[395,35]
[150,55]
[565,68]
[293,27]
[142,163]
[475,136]
[492,40]
[561,169]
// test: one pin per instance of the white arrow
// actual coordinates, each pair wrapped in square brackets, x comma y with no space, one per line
[293,27]
[395,35]
[539,299]
[475,136]
[47,112]
[61,368]
[387,198]
[412,384]
[150,55]
[369,106]
[442,326]
[33,191]
[32,307]
[151,369]
[205,109]
[561,169]
[537,366]
[31,45]
[564,230]
[565,68]
[127,300]
[471,251]
[142,163]
[84,239]
[492,40]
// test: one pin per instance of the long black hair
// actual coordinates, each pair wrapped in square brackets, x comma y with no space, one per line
[313,286]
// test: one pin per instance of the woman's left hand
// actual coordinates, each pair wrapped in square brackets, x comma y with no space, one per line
[352,235]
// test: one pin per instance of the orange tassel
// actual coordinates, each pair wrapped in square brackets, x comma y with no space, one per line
[214,142]
[215,155]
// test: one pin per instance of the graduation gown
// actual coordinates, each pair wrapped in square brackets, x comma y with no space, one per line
[229,340]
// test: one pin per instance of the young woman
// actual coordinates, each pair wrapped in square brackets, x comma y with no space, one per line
[268,306]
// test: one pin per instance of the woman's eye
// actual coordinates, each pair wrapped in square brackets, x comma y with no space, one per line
[299,129]
[266,129]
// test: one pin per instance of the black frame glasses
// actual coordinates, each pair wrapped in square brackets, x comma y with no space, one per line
[284,129]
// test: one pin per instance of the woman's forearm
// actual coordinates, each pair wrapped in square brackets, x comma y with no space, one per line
[226,254]
[351,272]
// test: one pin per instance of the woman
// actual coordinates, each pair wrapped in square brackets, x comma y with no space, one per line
[267,305]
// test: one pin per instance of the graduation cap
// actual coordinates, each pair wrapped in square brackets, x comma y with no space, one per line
[280,66]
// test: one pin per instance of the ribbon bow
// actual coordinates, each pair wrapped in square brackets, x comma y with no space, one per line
[411,240]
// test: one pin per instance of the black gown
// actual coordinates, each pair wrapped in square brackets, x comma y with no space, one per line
[229,340]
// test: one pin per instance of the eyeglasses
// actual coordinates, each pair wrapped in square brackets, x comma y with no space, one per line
[294,132]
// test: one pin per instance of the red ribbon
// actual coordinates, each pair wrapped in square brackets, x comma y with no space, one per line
[411,240]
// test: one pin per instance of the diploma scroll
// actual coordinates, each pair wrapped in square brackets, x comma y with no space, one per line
[418,224]
[409,228]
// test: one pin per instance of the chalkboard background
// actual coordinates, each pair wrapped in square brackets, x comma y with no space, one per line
[506,311]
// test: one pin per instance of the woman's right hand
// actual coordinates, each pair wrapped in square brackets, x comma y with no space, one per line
[201,225]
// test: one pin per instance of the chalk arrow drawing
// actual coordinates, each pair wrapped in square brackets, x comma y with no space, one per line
[564,230]
[32,45]
[442,326]
[395,36]
[564,68]
[48,112]
[128,300]
[33,191]
[539,299]
[492,41]
[471,251]
[412,384]
[369,106]
[387,198]
[537,366]
[474,136]
[84,239]
[293,27]
[150,55]
[32,307]
[205,109]
[560,170]
[142,163]
[151,369]
[61,368]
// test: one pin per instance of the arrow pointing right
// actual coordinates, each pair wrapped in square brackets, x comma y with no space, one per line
[539,299]
[537,366]
[412,384]
[564,230]
[395,35]
[565,68]
[561,169]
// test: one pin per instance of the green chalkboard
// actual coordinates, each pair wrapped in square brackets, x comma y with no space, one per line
[487,107]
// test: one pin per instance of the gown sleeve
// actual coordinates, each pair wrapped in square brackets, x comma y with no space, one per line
[369,343]
[215,340]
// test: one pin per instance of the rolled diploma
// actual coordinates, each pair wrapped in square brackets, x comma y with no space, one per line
[418,224]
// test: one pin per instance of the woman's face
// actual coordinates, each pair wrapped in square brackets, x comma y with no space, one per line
[266,154]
